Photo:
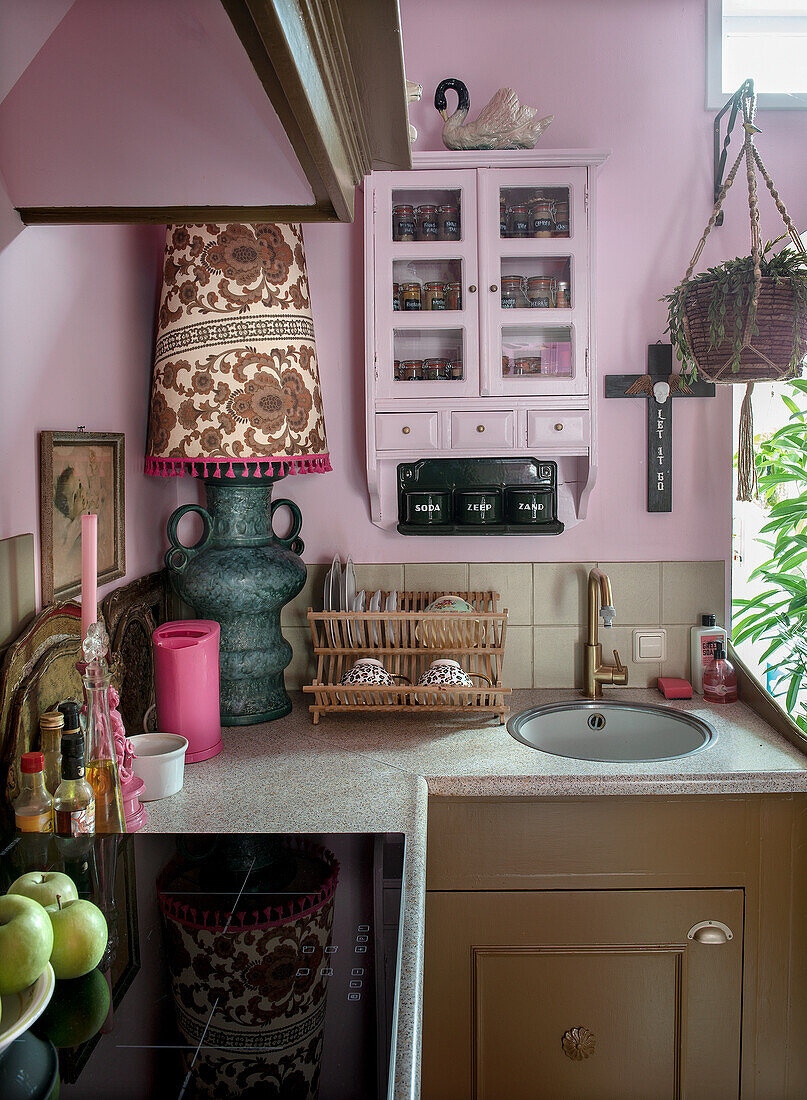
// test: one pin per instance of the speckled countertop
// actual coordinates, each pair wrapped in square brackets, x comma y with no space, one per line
[355,773]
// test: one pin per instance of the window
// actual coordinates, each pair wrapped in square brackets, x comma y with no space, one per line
[762,39]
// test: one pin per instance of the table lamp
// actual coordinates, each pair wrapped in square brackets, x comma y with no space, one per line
[235,400]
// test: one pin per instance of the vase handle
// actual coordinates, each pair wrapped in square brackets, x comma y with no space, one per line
[177,558]
[292,541]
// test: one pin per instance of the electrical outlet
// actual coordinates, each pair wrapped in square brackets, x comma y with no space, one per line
[650,645]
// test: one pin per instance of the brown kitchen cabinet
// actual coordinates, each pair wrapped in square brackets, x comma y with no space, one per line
[546,916]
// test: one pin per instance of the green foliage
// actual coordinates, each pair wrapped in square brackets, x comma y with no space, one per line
[732,289]
[777,616]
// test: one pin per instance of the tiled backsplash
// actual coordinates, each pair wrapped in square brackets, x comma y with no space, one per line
[547,606]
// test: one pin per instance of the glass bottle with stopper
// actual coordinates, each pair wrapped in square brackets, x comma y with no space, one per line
[102,762]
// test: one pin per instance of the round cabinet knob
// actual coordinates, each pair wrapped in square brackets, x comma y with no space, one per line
[578,1043]
[480,427]
[472,290]
[493,288]
[406,429]
[558,427]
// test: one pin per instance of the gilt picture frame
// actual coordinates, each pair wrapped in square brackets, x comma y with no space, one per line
[80,472]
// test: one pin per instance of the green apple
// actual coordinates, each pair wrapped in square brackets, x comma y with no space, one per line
[44,886]
[77,1011]
[26,941]
[79,937]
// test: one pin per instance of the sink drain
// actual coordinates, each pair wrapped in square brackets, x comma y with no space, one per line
[596,721]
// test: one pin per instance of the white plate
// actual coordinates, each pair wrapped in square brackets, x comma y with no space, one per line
[392,605]
[348,586]
[375,605]
[20,1010]
[359,603]
[334,590]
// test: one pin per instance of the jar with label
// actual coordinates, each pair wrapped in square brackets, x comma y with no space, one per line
[502,218]
[33,808]
[563,298]
[434,296]
[527,364]
[519,221]
[506,365]
[448,222]
[407,369]
[561,224]
[396,370]
[453,296]
[427,223]
[541,220]
[541,291]
[396,296]
[512,291]
[410,296]
[436,370]
[403,222]
[456,370]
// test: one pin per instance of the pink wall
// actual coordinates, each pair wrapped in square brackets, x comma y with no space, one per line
[76,321]
[621,74]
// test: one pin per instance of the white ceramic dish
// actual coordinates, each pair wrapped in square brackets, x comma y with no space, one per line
[375,605]
[348,586]
[359,604]
[20,1010]
[160,762]
[391,604]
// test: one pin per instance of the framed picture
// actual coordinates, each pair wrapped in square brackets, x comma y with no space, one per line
[80,472]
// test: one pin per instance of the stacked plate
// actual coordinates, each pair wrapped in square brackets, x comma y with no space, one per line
[341,594]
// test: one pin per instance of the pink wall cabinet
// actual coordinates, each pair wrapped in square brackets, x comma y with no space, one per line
[480,316]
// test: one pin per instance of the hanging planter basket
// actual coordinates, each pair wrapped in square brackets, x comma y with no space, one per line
[745,321]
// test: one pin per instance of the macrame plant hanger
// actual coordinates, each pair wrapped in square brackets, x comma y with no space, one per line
[746,468]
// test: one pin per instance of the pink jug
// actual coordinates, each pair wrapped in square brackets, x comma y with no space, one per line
[186,684]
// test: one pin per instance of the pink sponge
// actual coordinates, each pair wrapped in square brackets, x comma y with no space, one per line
[672,687]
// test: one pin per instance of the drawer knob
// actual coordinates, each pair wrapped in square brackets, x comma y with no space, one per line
[578,1043]
[558,427]
[480,427]
[406,429]
[472,290]
[493,288]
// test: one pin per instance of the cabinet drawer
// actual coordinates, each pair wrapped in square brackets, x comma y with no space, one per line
[405,431]
[558,428]
[483,430]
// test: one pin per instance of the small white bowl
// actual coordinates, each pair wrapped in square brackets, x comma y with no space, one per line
[159,761]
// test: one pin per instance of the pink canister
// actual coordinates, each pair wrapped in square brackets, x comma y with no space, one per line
[186,684]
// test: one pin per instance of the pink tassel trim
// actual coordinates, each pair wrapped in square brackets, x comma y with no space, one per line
[261,467]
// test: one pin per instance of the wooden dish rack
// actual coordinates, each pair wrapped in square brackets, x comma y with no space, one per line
[406,641]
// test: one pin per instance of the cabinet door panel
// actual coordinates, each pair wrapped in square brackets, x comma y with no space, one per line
[509,974]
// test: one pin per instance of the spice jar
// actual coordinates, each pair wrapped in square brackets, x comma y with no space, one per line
[453,296]
[456,370]
[505,365]
[519,221]
[427,223]
[435,370]
[512,291]
[563,298]
[448,222]
[433,296]
[403,222]
[541,221]
[410,296]
[396,370]
[502,218]
[396,296]
[408,367]
[561,225]
[528,364]
[540,291]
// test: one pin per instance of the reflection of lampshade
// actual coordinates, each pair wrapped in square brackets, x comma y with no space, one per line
[236,400]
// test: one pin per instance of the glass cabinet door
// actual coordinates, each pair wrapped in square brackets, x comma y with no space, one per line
[534,313]
[426,285]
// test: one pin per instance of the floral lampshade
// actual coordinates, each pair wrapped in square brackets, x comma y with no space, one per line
[235,373]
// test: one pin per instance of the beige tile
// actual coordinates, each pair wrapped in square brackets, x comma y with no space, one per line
[557,656]
[517,670]
[436,577]
[635,585]
[559,593]
[302,667]
[294,613]
[513,582]
[692,588]
[677,662]
[644,674]
[386,577]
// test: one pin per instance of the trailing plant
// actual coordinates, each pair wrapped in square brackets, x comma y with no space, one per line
[732,289]
[777,615]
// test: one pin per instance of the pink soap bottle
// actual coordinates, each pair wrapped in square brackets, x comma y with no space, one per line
[720,679]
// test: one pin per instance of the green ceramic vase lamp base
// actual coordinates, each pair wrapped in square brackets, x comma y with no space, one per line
[241,574]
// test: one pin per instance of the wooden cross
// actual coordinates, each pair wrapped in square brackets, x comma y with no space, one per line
[659,386]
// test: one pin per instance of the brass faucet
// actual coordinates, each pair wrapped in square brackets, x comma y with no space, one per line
[595,673]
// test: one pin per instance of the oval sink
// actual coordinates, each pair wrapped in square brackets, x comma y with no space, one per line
[616,732]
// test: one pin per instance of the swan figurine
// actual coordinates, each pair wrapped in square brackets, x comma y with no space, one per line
[502,124]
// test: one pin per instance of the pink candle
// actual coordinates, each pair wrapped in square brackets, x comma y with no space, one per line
[89,572]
